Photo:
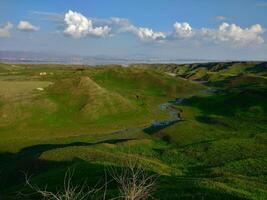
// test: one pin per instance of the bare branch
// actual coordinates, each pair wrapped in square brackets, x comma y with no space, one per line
[134,182]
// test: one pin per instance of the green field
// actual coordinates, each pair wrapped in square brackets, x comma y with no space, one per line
[56,117]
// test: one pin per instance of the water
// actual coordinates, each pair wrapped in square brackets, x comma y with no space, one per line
[175,116]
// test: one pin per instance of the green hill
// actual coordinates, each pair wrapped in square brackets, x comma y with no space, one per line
[93,117]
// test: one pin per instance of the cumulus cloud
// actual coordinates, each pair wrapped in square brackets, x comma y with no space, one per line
[226,33]
[27,26]
[149,34]
[182,30]
[146,34]
[122,25]
[79,26]
[235,34]
[5,30]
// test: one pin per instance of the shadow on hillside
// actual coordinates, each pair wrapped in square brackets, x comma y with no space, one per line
[39,149]
[14,165]
[229,103]
[187,188]
[156,128]
[211,121]
[51,173]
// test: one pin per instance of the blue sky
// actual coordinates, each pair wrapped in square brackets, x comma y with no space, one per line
[191,29]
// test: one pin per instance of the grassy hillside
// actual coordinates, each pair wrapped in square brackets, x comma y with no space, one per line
[89,118]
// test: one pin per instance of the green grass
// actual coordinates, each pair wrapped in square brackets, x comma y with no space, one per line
[91,118]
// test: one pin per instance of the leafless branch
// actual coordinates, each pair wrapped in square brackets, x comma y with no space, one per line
[134,182]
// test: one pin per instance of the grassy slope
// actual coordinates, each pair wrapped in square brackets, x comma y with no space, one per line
[225,133]
[217,151]
[76,105]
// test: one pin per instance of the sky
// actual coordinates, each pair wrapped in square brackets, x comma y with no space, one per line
[162,29]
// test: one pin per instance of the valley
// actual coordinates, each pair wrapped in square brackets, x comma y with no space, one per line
[201,128]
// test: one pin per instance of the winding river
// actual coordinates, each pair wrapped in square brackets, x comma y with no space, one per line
[174,113]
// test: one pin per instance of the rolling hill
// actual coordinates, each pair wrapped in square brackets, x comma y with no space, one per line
[92,117]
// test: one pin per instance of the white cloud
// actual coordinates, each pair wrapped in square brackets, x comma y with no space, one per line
[235,34]
[182,30]
[122,25]
[149,34]
[27,26]
[5,30]
[143,33]
[227,33]
[122,22]
[221,18]
[79,26]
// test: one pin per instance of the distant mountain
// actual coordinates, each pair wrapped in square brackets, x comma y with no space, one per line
[21,56]
[44,57]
